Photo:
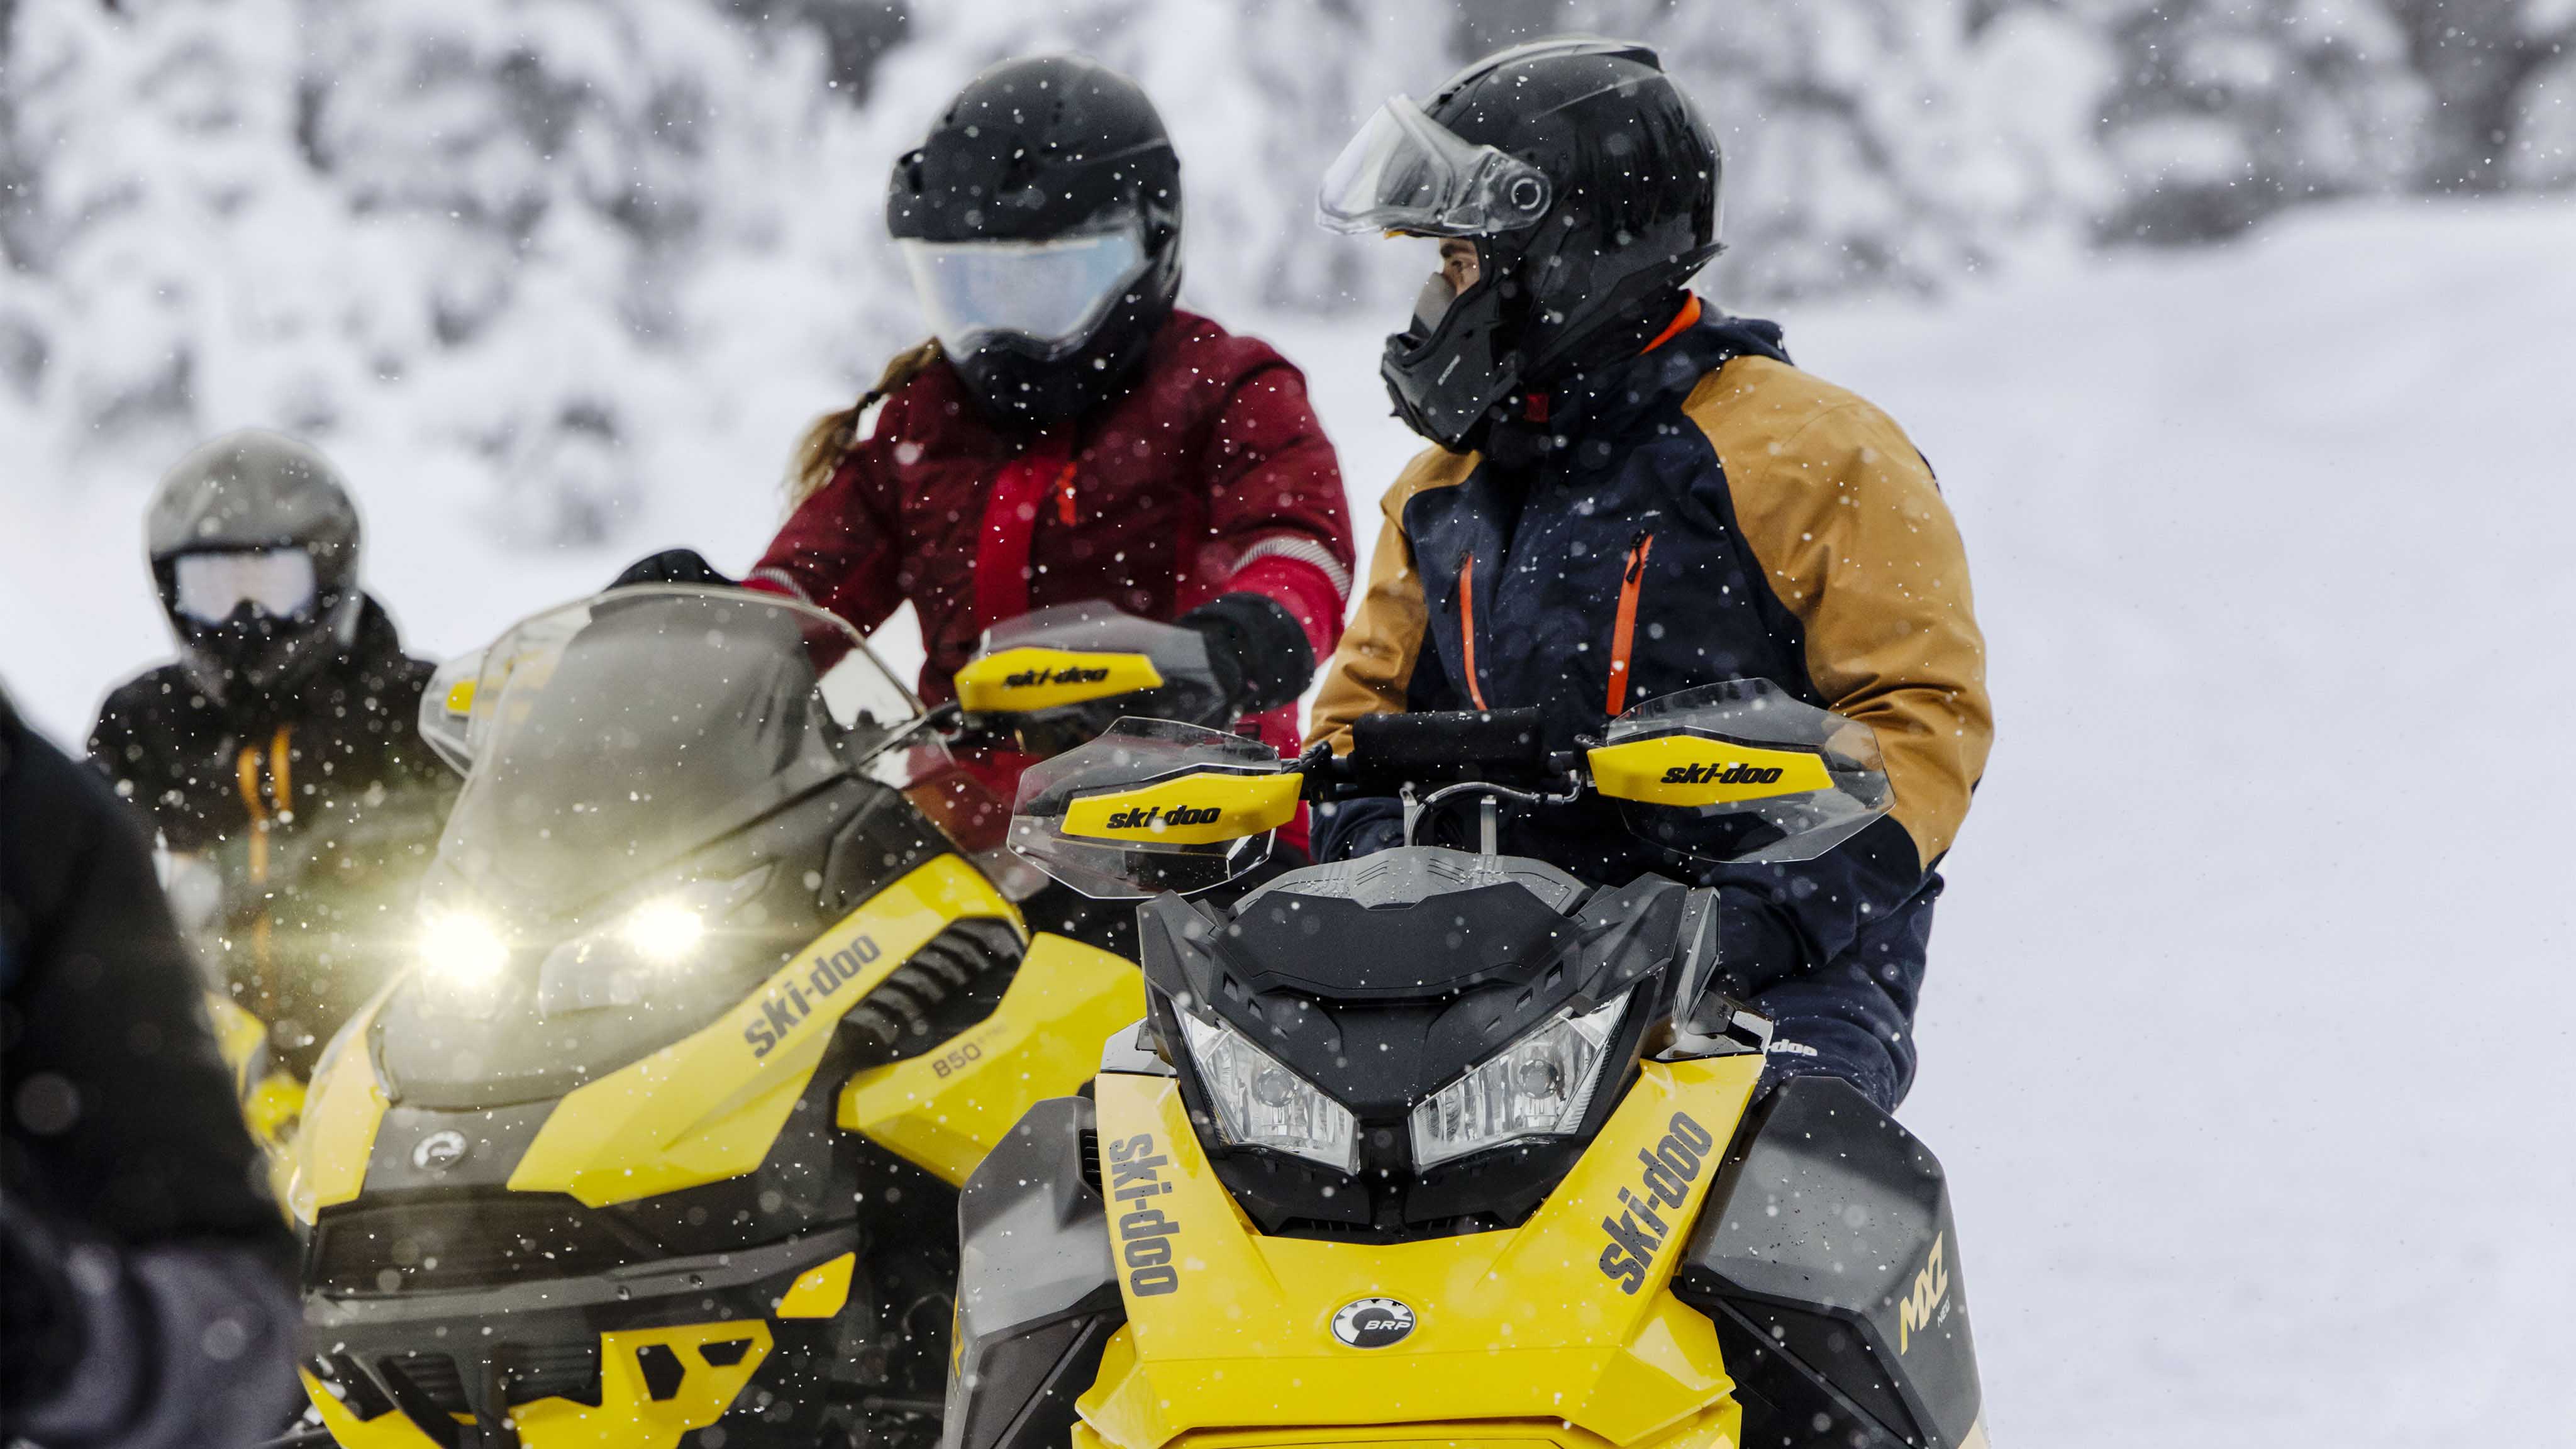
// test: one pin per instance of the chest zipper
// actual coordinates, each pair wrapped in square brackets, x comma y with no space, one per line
[1623,633]
[1467,623]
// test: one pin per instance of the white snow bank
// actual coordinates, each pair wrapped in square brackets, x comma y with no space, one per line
[2247,1039]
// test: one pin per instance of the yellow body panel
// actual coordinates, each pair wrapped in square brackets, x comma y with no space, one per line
[1206,807]
[272,1100]
[819,1291]
[628,1416]
[1018,681]
[1546,1332]
[707,1107]
[342,1109]
[1681,769]
[388,1430]
[946,1110]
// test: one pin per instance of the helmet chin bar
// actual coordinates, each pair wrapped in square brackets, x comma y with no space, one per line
[229,660]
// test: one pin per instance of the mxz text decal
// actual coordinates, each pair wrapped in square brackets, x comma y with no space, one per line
[1639,1230]
[1928,1306]
[785,1006]
[1144,1233]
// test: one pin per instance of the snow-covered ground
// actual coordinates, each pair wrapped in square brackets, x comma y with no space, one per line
[2248,1038]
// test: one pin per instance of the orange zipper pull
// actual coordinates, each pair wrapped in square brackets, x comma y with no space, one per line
[1064,494]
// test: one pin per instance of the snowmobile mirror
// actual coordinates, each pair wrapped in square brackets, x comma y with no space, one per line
[1152,806]
[1741,771]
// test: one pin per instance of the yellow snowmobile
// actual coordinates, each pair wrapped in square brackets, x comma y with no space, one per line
[658,1142]
[1444,1147]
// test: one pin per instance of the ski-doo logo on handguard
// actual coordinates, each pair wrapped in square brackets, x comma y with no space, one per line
[1069,674]
[1722,773]
[788,1005]
[1640,1229]
[1144,1233]
[1928,1306]
[1152,817]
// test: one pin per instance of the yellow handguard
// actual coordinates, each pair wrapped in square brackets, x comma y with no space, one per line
[1032,678]
[1686,769]
[1203,807]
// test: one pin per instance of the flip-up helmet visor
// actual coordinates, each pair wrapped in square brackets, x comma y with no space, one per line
[1051,292]
[1406,172]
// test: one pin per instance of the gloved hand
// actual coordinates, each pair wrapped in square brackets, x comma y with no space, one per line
[672,566]
[1257,649]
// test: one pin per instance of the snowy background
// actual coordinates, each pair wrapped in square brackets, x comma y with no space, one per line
[2243,333]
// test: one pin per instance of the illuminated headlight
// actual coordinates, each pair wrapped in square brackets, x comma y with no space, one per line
[1538,1086]
[622,961]
[1263,1104]
[462,957]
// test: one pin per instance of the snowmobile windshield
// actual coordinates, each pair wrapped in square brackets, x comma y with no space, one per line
[612,737]
[1052,293]
[1405,172]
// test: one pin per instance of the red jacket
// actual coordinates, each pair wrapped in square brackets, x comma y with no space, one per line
[1210,476]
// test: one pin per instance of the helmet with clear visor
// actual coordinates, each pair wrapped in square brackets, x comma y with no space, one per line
[1049,294]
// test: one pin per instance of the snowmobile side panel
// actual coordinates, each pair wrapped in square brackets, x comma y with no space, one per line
[946,1109]
[708,1106]
[1037,1289]
[1574,1299]
[343,1106]
[1829,1259]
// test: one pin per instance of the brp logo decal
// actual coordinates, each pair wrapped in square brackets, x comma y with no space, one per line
[1372,1322]
[439,1151]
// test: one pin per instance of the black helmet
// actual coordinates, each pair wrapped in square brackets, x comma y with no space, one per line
[254,545]
[1590,187]
[1041,219]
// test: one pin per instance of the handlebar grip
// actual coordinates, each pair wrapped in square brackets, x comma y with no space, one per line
[1447,740]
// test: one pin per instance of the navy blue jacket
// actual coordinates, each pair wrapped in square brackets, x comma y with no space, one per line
[1701,513]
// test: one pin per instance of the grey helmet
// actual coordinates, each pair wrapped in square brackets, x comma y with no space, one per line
[252,493]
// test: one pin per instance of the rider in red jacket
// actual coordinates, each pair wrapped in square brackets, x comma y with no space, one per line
[1068,436]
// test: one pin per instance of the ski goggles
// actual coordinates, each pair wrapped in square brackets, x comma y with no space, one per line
[1405,172]
[278,582]
[1053,292]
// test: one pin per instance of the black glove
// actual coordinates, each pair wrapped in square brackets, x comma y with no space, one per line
[672,566]
[1257,648]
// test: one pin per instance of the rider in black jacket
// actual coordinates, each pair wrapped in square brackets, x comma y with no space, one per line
[143,1267]
[282,748]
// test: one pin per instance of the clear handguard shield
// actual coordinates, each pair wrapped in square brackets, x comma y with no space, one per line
[1154,805]
[1741,771]
[1405,172]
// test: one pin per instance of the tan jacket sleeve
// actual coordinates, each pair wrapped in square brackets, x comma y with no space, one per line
[1851,531]
[1372,667]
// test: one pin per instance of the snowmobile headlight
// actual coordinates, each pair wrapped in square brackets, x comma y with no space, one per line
[1538,1086]
[621,961]
[462,956]
[1263,1104]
